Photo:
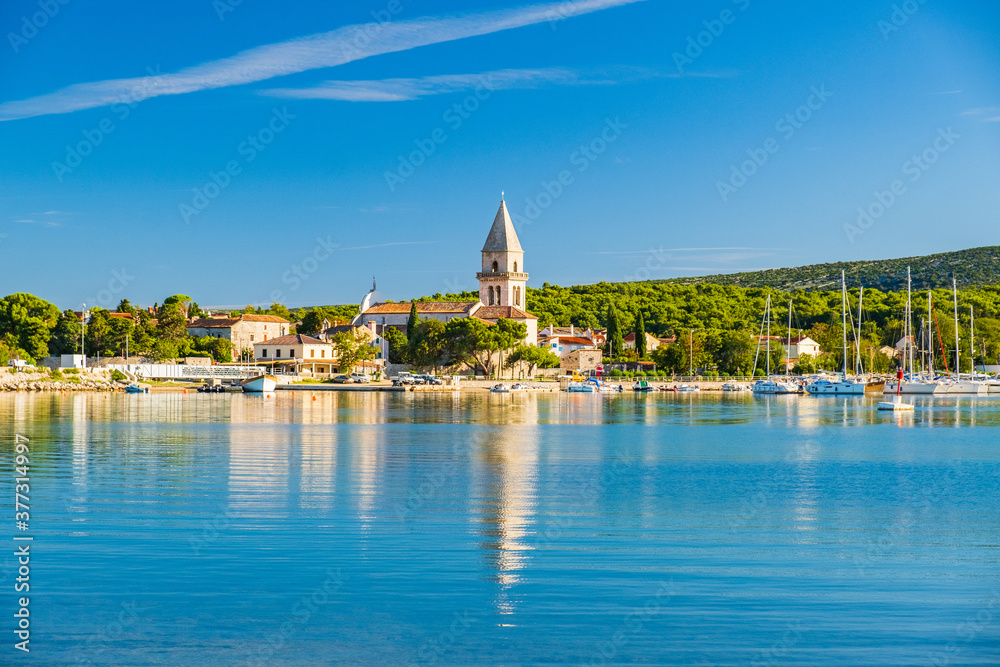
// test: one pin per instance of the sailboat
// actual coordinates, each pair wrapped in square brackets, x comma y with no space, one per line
[956,384]
[910,382]
[845,386]
[771,385]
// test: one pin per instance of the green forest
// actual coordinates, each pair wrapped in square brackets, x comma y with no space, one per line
[713,324]
[973,267]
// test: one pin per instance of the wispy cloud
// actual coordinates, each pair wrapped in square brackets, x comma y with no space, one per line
[327,49]
[987,114]
[385,245]
[399,90]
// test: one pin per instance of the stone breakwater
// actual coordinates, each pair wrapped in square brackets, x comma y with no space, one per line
[89,381]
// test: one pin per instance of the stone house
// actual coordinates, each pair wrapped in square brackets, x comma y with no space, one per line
[244,332]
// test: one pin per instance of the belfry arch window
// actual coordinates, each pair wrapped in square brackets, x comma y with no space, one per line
[491,294]
[495,266]
[515,267]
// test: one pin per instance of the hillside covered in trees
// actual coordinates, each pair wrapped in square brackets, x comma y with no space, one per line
[972,267]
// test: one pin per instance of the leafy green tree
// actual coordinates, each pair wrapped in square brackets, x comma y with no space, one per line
[806,365]
[509,334]
[171,325]
[351,348]
[731,351]
[428,343]
[533,356]
[312,321]
[164,349]
[98,332]
[397,344]
[66,334]
[29,320]
[278,310]
[472,341]
[124,306]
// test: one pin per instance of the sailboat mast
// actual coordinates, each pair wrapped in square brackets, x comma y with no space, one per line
[972,342]
[789,336]
[768,339]
[909,317]
[930,333]
[843,313]
[857,338]
[954,291]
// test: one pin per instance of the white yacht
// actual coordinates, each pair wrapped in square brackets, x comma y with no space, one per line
[844,386]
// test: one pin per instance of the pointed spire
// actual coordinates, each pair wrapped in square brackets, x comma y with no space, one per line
[502,237]
[373,283]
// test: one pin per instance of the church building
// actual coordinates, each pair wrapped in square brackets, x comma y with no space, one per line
[502,282]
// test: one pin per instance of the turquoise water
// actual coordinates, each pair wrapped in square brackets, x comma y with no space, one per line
[373,528]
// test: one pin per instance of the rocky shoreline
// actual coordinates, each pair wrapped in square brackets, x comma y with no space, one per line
[91,380]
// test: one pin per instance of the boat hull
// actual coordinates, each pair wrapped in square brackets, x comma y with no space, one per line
[836,389]
[911,388]
[260,384]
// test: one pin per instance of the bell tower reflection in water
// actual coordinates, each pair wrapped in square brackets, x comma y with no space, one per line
[508,459]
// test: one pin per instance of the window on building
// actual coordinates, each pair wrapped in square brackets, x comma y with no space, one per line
[277,353]
[515,267]
[322,353]
[312,353]
[291,354]
[495,267]
[251,338]
[490,288]
[263,352]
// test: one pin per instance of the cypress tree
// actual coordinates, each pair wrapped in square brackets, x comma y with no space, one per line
[640,336]
[613,347]
[412,320]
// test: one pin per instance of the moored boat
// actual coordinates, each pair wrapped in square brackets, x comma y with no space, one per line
[642,385]
[260,384]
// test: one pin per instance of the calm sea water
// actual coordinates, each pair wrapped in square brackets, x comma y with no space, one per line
[367,528]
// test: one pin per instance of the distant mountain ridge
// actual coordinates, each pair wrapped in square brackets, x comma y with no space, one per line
[972,267]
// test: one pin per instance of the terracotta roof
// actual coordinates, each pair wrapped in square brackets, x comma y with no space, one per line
[292,339]
[211,322]
[509,312]
[263,318]
[568,340]
[403,307]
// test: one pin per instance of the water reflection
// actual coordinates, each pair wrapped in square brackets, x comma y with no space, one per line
[508,457]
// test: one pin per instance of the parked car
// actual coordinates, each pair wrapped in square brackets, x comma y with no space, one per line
[409,378]
[430,379]
[343,379]
[360,377]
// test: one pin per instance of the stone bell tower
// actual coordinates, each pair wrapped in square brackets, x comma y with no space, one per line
[502,280]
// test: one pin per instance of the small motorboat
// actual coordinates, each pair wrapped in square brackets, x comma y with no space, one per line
[500,389]
[136,389]
[688,387]
[642,385]
[260,384]
[734,386]
[583,388]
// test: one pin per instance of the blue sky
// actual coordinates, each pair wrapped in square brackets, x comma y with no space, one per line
[389,128]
